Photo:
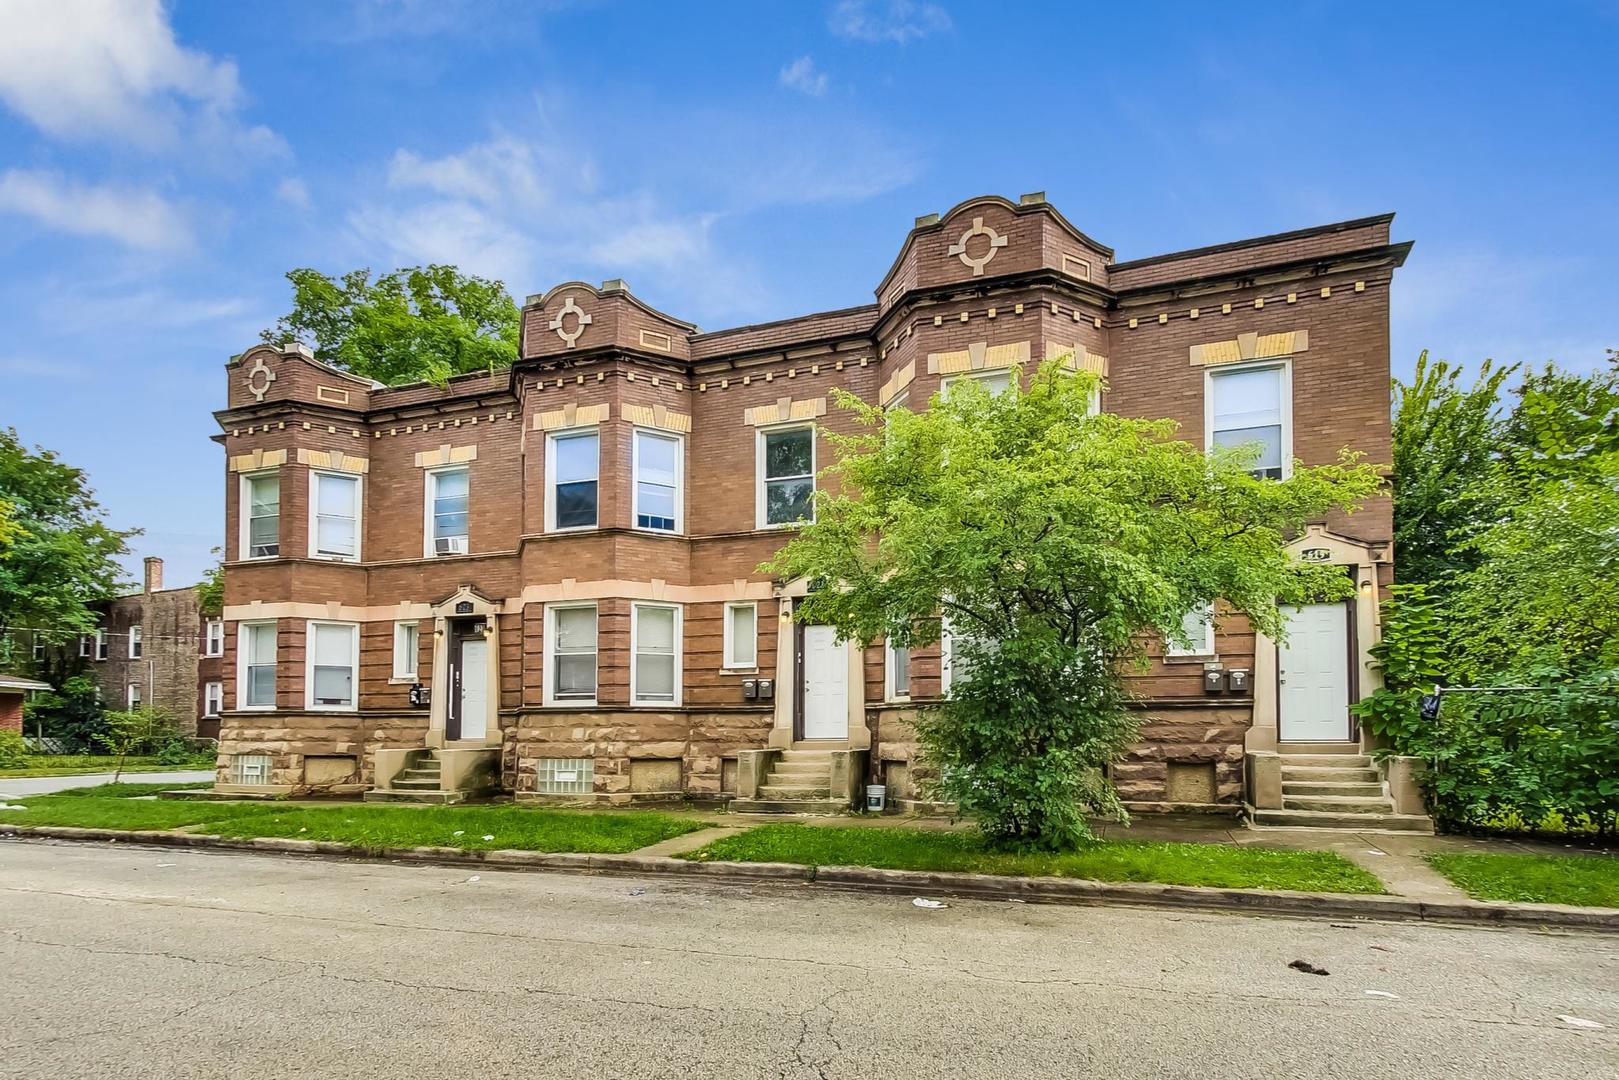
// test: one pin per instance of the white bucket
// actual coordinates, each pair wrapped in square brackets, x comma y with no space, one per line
[876,798]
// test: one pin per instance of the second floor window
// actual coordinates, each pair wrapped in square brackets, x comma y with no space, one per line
[1250,405]
[136,649]
[786,476]
[213,640]
[101,644]
[447,493]
[657,481]
[335,514]
[573,464]
[261,497]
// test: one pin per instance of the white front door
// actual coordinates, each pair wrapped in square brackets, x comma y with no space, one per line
[826,684]
[474,687]
[1313,672]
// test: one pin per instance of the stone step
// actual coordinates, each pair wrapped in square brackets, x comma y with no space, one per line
[1308,774]
[795,791]
[419,774]
[406,783]
[1316,819]
[1339,804]
[410,796]
[1362,789]
[807,755]
[1327,761]
[802,768]
[788,806]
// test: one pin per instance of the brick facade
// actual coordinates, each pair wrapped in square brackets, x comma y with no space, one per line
[989,281]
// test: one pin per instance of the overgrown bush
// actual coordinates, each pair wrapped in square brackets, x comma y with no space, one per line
[13,751]
[73,713]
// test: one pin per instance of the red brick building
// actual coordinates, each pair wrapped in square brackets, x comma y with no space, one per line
[544,581]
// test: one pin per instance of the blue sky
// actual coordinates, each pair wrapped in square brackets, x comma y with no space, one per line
[162,165]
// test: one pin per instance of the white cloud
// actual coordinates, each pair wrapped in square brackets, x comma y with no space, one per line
[134,217]
[112,69]
[898,21]
[294,192]
[801,75]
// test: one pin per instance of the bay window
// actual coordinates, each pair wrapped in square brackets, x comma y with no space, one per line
[657,468]
[570,654]
[654,654]
[261,515]
[333,664]
[573,460]
[334,516]
[255,661]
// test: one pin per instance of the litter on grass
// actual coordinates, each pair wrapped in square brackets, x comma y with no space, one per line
[489,836]
[1382,994]
[1579,1022]
[924,902]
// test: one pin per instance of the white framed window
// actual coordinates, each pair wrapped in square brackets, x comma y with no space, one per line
[742,635]
[261,515]
[101,644]
[213,698]
[896,672]
[572,464]
[658,462]
[332,665]
[570,654]
[37,643]
[1252,403]
[132,696]
[654,654]
[995,381]
[85,645]
[334,516]
[407,647]
[786,475]
[255,665]
[1198,627]
[213,638]
[136,645]
[448,495]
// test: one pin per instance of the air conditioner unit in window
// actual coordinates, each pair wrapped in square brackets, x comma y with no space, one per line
[450,545]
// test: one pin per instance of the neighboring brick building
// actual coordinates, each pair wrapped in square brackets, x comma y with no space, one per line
[563,556]
[156,648]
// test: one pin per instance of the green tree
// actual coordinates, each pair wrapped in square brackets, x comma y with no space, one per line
[58,557]
[1445,440]
[211,589]
[421,323]
[1054,543]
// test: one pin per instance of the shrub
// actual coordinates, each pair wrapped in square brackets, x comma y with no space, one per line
[13,750]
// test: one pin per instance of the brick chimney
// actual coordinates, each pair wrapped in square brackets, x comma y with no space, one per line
[154,574]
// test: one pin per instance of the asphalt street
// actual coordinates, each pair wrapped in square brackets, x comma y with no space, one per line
[121,961]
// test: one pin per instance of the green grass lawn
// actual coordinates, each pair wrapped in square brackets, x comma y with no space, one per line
[1171,864]
[79,764]
[1581,880]
[113,806]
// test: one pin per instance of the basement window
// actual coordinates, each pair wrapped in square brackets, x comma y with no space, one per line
[251,770]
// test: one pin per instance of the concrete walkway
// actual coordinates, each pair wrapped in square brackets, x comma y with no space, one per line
[44,785]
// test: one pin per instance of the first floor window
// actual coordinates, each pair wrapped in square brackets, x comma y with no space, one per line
[336,515]
[571,669]
[655,663]
[447,495]
[899,672]
[657,481]
[334,657]
[135,643]
[134,696]
[994,382]
[786,476]
[261,509]
[213,639]
[741,635]
[213,698]
[574,462]
[1249,406]
[407,644]
[256,658]
[1197,626]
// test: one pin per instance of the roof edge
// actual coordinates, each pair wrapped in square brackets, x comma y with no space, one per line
[1254,241]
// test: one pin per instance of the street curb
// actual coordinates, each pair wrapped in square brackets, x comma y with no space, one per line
[1034,890]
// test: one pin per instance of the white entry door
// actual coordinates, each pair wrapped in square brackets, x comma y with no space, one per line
[826,684]
[474,687]
[1313,671]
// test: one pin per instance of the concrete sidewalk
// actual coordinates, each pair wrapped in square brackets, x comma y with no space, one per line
[44,785]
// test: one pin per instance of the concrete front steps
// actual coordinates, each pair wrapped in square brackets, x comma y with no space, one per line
[1336,791]
[423,782]
[799,782]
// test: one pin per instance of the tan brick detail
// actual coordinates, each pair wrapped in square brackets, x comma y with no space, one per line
[1077,358]
[572,415]
[652,339]
[785,409]
[900,380]
[978,356]
[258,459]
[658,416]
[333,459]
[445,455]
[1250,347]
